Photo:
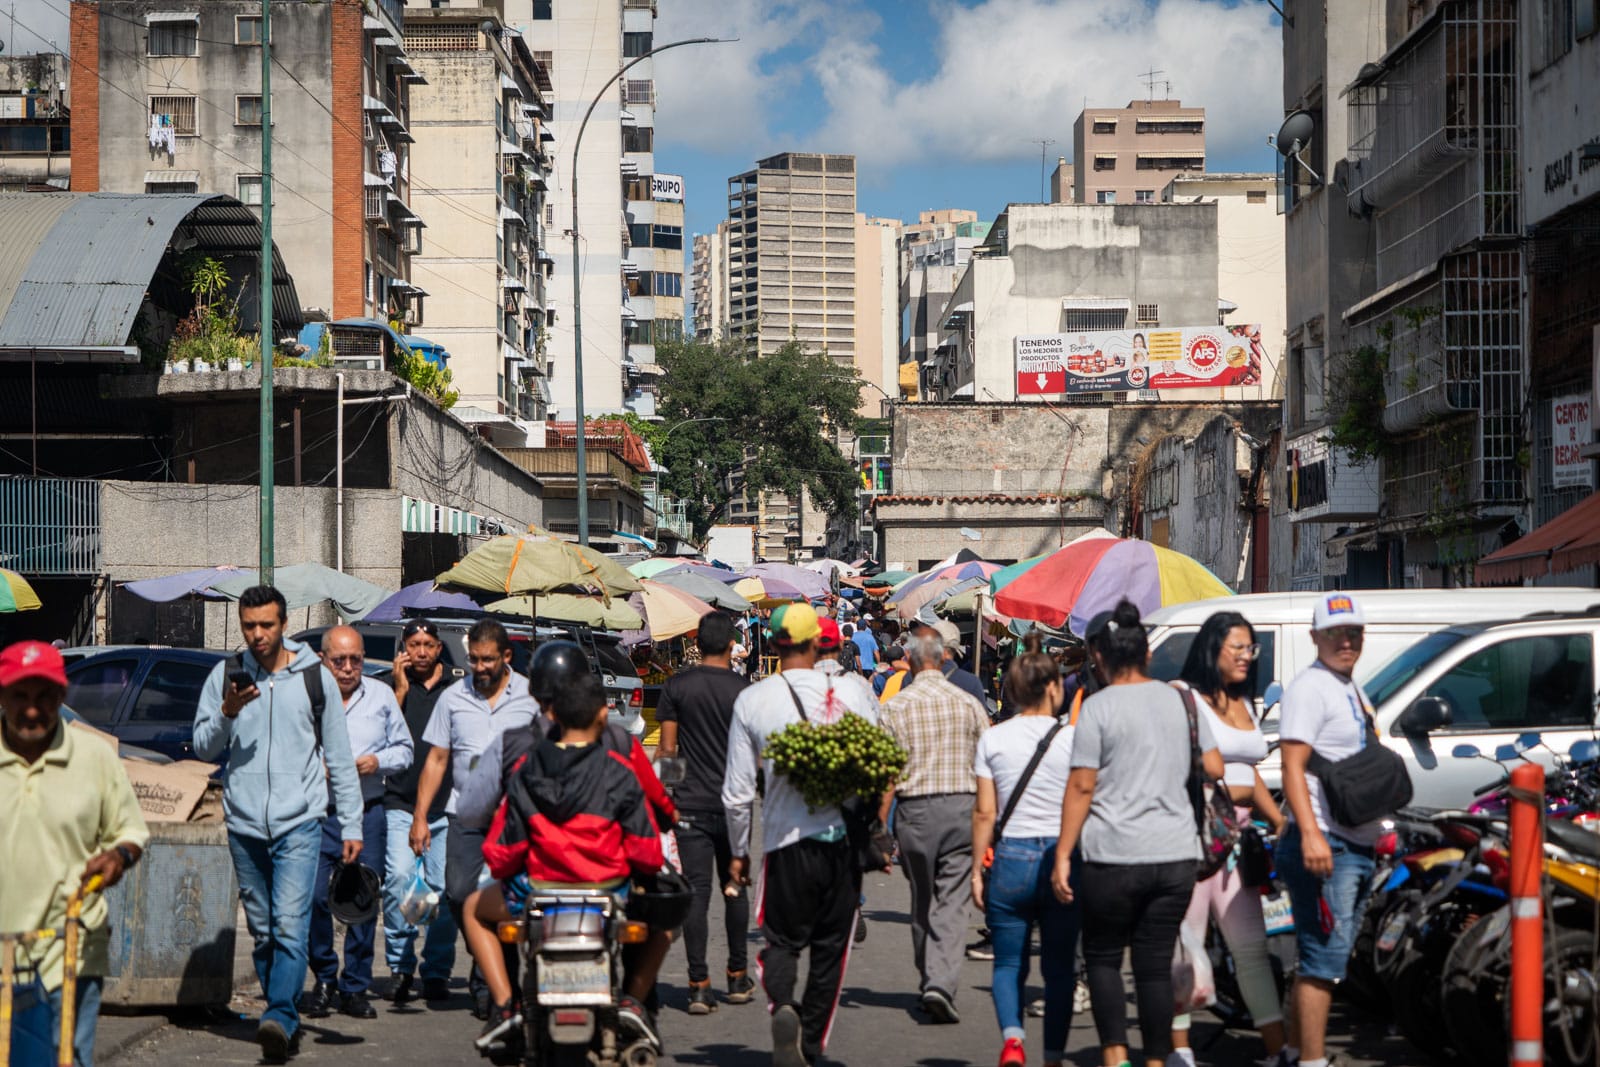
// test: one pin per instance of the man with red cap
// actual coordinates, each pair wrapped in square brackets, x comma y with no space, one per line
[67,813]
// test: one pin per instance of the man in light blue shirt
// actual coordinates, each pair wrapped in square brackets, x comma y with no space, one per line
[381,744]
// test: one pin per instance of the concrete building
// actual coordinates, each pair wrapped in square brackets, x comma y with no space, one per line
[1127,155]
[35,122]
[877,334]
[481,172]
[167,99]
[1063,182]
[710,269]
[934,253]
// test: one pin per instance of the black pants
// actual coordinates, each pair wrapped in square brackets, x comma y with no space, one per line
[1137,907]
[704,848]
[809,895]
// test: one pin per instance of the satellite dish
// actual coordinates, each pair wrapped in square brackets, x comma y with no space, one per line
[1294,136]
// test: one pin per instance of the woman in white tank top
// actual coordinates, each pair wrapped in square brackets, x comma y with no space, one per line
[1221,672]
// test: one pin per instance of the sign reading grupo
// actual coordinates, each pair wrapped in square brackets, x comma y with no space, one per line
[1104,361]
[666,187]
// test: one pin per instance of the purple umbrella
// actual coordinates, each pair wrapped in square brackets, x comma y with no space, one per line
[810,584]
[418,596]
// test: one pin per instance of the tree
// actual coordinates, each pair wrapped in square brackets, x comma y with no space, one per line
[775,421]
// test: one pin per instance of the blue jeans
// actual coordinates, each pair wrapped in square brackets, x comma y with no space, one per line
[1324,953]
[276,880]
[399,936]
[359,939]
[1018,898]
[36,1023]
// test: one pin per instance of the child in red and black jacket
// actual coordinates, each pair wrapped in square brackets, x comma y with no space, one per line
[574,814]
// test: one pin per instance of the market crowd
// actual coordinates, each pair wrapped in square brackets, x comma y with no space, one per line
[1094,808]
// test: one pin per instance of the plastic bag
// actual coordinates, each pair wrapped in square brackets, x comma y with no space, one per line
[1193,984]
[420,902]
[669,850]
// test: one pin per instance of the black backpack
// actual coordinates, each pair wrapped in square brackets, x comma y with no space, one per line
[312,678]
[849,654]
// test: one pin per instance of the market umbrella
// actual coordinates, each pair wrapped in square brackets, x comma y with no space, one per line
[16,594]
[649,568]
[705,570]
[825,566]
[569,607]
[950,572]
[1074,583]
[514,564]
[767,593]
[305,584]
[419,596]
[668,611]
[886,580]
[809,583]
[1006,575]
[172,587]
[708,589]
[923,603]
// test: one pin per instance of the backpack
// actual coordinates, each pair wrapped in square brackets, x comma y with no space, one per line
[314,691]
[850,655]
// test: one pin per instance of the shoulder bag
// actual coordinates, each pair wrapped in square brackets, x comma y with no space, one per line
[869,840]
[1366,786]
[1215,820]
[1016,794]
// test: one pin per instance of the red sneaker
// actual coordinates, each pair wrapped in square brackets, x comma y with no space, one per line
[1011,1054]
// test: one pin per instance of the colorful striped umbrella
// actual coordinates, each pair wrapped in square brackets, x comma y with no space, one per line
[16,594]
[1074,583]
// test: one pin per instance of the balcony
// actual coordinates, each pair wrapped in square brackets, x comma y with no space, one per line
[50,526]
[555,464]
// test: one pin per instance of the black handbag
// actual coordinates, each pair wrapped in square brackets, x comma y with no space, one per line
[1254,865]
[1366,786]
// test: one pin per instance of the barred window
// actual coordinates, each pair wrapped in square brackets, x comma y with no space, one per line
[179,111]
[1148,313]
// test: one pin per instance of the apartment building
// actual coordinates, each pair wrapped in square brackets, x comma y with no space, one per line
[1127,155]
[167,98]
[35,122]
[710,282]
[480,173]
[934,251]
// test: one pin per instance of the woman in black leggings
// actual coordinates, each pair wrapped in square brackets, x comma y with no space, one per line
[1127,810]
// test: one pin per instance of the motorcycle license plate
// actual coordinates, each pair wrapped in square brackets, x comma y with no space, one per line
[1393,931]
[1275,909]
[574,982]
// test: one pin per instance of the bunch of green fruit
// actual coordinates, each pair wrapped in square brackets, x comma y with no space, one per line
[830,764]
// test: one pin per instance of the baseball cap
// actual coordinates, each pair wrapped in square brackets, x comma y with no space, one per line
[831,636]
[794,624]
[32,659]
[1337,609]
[949,634]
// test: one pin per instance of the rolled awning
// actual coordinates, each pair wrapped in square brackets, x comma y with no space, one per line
[1565,543]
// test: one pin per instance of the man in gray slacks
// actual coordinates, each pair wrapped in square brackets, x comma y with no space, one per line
[938,725]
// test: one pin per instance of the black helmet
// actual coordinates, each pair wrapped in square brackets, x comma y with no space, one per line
[661,901]
[354,893]
[554,666]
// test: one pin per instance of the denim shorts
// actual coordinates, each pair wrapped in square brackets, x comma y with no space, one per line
[1325,953]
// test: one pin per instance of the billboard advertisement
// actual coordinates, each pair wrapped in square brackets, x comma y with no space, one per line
[666,187]
[1106,361]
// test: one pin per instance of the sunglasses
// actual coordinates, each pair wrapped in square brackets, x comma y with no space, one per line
[1339,634]
[346,661]
[419,626]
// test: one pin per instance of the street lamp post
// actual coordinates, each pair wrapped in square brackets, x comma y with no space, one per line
[655,534]
[577,283]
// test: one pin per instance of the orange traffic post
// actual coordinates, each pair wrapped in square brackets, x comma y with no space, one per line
[1527,919]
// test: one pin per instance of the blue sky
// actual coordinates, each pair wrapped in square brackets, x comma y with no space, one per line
[943,101]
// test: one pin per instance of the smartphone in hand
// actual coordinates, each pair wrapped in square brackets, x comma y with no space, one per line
[241,680]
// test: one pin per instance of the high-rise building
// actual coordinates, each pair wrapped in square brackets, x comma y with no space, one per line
[1127,155]
[480,171]
[710,269]
[166,97]
[877,333]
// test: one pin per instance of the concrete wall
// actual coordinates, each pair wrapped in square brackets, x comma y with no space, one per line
[1558,118]
[438,459]
[1191,497]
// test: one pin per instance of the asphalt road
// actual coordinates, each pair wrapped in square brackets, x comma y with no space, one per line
[878,1023]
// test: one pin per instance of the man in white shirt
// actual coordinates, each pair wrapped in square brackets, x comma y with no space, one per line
[810,887]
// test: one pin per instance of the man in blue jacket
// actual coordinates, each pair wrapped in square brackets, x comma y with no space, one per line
[274,711]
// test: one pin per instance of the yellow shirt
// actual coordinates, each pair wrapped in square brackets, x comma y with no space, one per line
[55,814]
[892,686]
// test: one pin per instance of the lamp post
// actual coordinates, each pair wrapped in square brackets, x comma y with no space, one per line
[267,428]
[577,282]
[655,533]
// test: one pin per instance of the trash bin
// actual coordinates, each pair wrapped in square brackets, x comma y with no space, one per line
[172,921]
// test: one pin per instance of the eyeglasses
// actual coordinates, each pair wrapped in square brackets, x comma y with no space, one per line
[1250,651]
[345,661]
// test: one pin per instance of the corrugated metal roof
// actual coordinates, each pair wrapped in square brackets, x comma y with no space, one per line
[77,266]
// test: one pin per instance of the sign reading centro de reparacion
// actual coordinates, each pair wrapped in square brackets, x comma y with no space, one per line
[666,187]
[1570,422]
[1105,361]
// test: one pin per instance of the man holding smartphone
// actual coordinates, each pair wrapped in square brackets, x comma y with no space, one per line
[274,710]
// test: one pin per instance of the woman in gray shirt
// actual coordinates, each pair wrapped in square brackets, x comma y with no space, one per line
[1127,809]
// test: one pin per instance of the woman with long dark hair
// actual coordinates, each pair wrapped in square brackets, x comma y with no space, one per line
[1127,807]
[1221,673]
[1018,896]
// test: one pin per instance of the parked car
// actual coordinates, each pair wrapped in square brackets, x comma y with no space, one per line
[143,695]
[124,750]
[1482,684]
[624,691]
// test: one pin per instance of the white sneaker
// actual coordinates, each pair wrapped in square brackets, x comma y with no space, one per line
[1181,1057]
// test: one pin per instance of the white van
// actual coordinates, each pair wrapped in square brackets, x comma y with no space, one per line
[1396,620]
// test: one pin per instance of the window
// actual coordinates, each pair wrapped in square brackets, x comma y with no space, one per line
[1105,162]
[637,189]
[250,189]
[639,92]
[635,45]
[638,138]
[547,61]
[247,111]
[1147,313]
[1524,683]
[1144,196]
[1552,31]
[1167,658]
[179,37]
[179,111]
[171,187]
[169,692]
[542,10]
[1307,385]
[668,330]
[1106,196]
[95,691]
[1585,17]
[1105,125]
[640,284]
[666,236]
[667,284]
[1255,196]
[639,234]
[247,29]
[1154,162]
[641,332]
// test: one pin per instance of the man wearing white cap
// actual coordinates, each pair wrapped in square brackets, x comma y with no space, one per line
[1326,864]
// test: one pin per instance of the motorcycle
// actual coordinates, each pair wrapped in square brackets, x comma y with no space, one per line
[571,943]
